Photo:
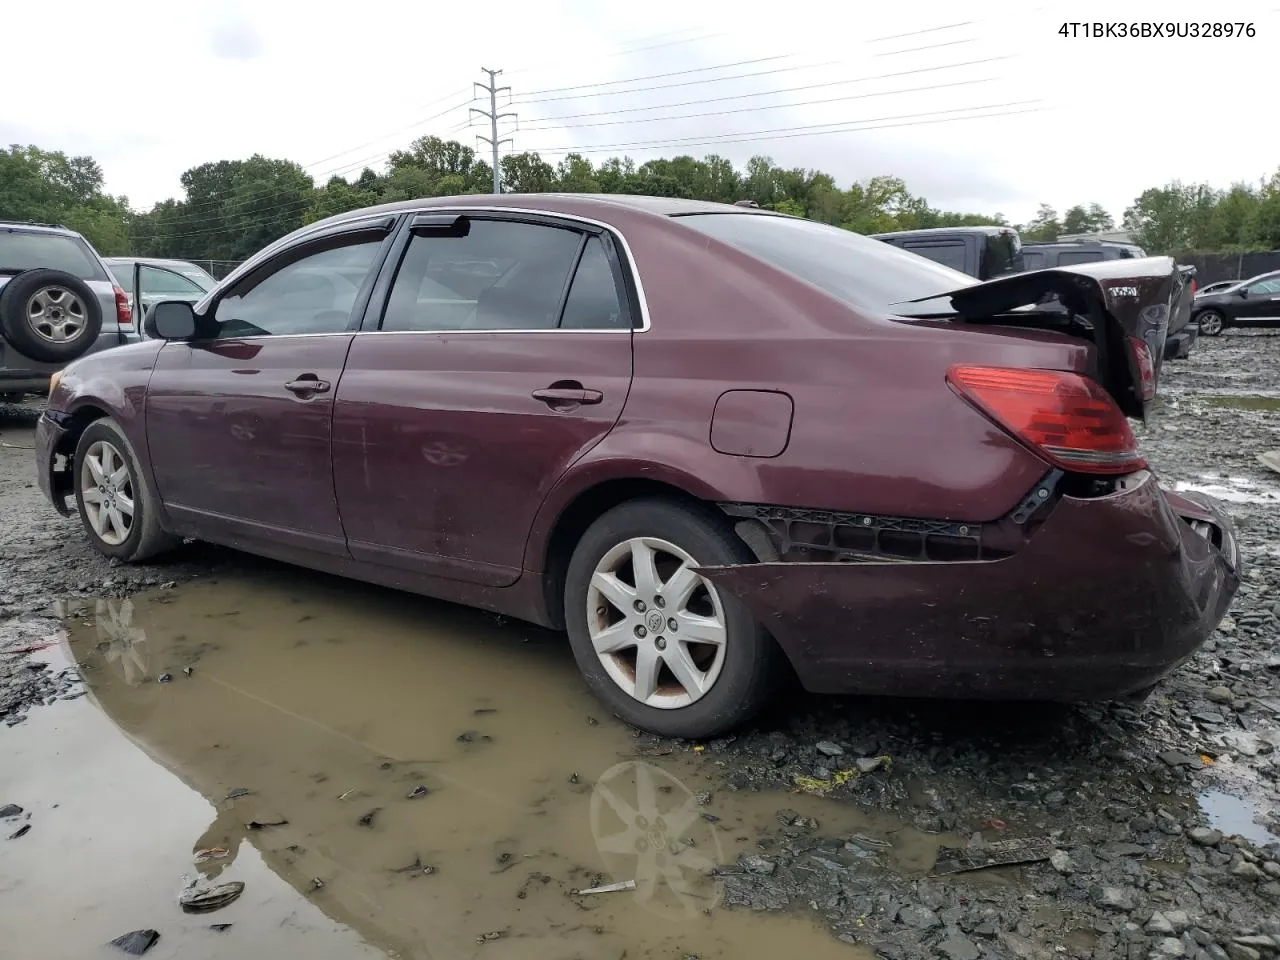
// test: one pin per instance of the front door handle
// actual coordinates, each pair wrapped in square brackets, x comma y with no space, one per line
[307,384]
[566,392]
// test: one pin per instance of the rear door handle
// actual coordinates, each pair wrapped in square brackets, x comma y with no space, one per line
[566,392]
[307,384]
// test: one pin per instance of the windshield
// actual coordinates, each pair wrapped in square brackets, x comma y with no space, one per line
[867,273]
[23,250]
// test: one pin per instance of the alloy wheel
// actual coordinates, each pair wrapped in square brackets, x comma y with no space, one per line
[56,314]
[1211,324]
[656,625]
[106,488]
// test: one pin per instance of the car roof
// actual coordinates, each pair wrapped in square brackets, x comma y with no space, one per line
[555,203]
[27,226]
[987,229]
[1078,244]
[159,260]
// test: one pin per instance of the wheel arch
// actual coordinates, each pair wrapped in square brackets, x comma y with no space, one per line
[550,552]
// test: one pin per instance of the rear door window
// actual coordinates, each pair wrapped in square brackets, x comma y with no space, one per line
[595,298]
[22,250]
[1032,260]
[503,275]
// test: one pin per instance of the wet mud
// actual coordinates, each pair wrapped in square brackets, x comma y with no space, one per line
[418,773]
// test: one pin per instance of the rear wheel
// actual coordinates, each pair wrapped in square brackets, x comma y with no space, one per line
[1210,323]
[117,507]
[662,646]
[13,396]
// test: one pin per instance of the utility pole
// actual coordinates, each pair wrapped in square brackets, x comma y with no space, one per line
[494,116]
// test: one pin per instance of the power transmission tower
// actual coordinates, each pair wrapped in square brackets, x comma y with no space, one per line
[494,116]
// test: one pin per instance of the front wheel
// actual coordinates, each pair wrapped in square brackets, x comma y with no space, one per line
[662,646]
[117,506]
[1210,323]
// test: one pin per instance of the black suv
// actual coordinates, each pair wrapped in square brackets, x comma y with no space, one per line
[982,252]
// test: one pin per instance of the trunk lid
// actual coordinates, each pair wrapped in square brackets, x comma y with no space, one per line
[1111,303]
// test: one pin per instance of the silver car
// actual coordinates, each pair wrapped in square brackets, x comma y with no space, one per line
[58,301]
[148,280]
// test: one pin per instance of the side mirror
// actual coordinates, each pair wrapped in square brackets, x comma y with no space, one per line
[1242,292]
[171,320]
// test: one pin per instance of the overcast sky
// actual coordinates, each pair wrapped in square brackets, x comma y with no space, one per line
[152,87]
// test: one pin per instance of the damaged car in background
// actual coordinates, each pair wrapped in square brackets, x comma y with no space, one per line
[714,444]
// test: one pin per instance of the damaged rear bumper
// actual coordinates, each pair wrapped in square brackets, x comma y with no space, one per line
[1108,596]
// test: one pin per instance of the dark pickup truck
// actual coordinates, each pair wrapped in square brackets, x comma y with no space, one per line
[989,252]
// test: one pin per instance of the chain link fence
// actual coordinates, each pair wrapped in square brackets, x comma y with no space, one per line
[217,268]
[1216,267]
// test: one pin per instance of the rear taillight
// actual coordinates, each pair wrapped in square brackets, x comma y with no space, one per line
[124,312]
[1146,368]
[1066,418]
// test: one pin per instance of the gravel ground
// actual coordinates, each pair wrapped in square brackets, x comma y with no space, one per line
[1102,799]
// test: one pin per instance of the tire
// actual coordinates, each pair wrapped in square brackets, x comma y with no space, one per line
[1211,323]
[50,315]
[734,677]
[15,396]
[104,443]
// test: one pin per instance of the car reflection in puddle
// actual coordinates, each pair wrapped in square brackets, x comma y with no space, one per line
[422,774]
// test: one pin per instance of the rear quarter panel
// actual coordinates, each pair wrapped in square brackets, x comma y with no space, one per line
[876,428]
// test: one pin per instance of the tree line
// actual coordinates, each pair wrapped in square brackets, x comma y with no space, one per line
[231,208]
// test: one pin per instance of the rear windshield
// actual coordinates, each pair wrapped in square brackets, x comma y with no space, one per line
[870,274]
[23,250]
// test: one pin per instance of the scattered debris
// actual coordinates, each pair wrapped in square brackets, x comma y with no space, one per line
[261,824]
[136,942]
[20,832]
[473,736]
[417,868]
[367,819]
[211,853]
[237,793]
[1270,459]
[219,927]
[200,899]
[187,671]
[607,888]
[484,711]
[417,792]
[829,749]
[317,883]
[164,678]
[10,810]
[491,936]
[1000,853]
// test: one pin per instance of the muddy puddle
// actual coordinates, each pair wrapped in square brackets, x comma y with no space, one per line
[1260,402]
[440,783]
[1230,489]
[1235,816]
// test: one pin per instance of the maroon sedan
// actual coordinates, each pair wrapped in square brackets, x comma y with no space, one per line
[708,441]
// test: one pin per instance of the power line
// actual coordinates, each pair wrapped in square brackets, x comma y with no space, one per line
[555,121]
[655,76]
[781,133]
[786,133]
[344,169]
